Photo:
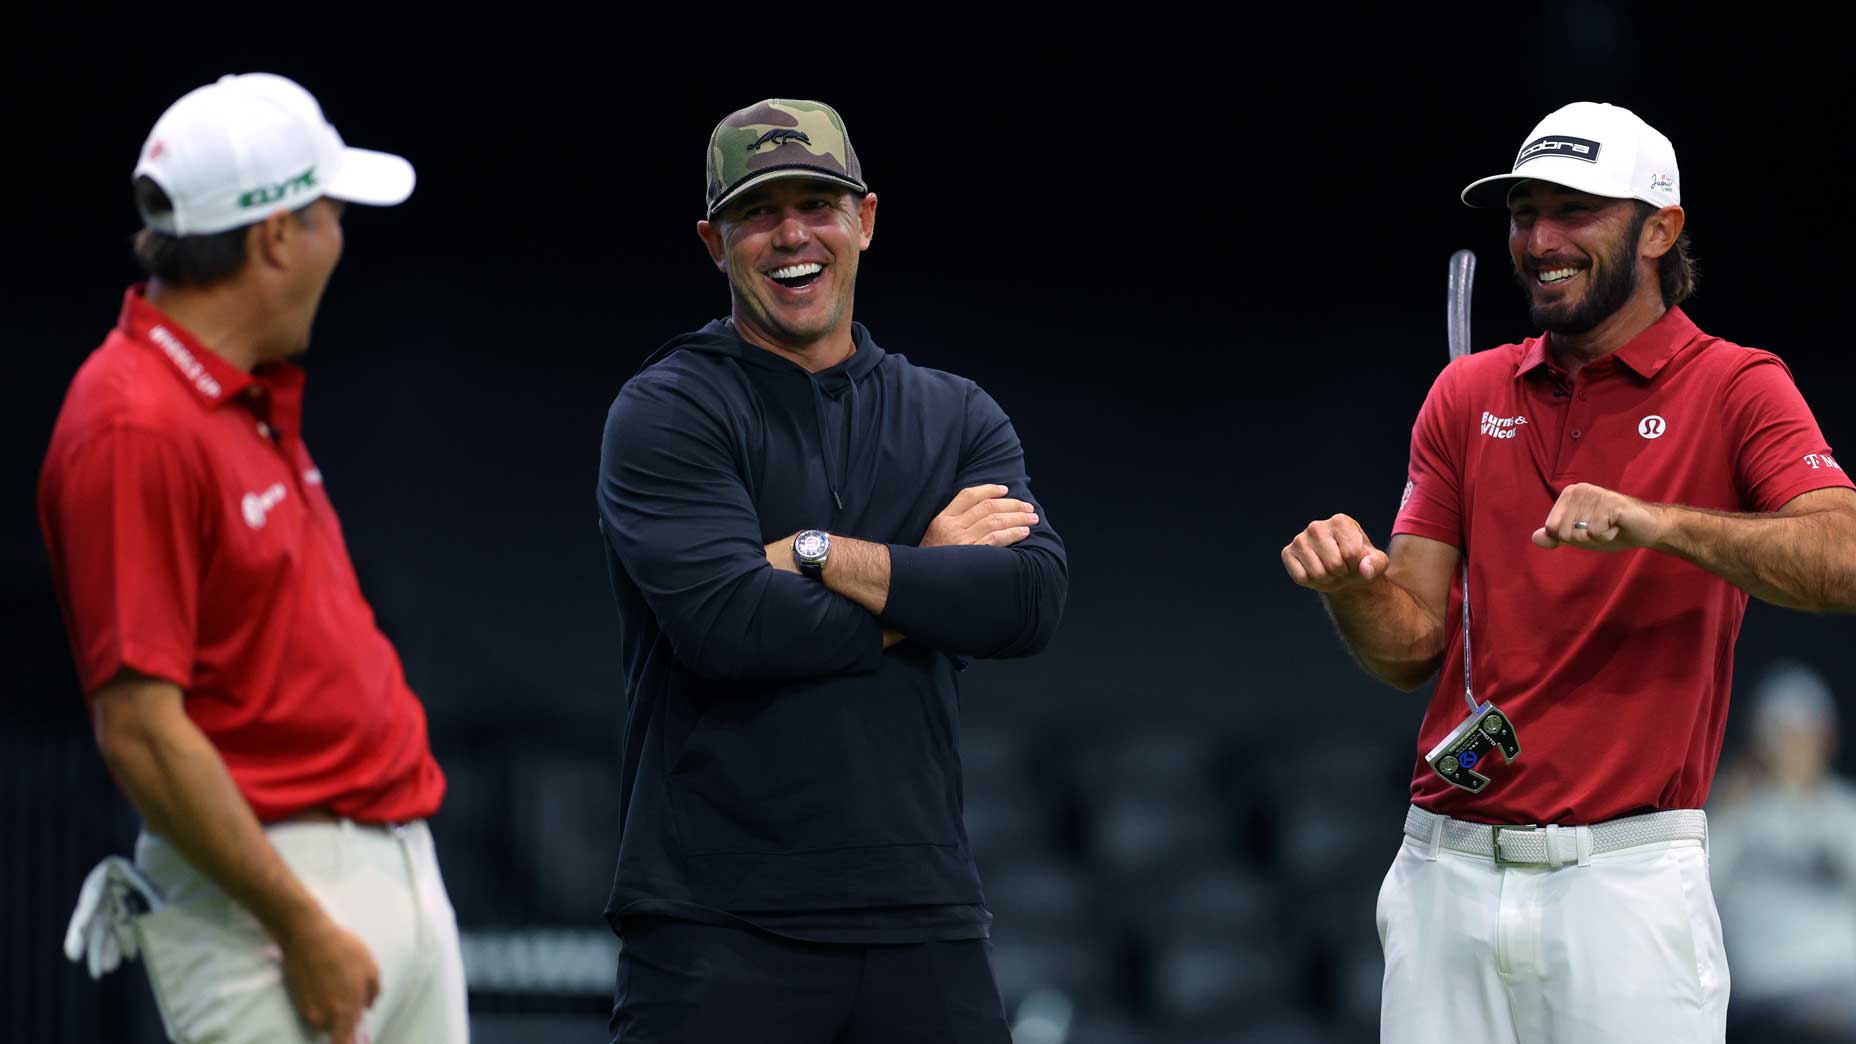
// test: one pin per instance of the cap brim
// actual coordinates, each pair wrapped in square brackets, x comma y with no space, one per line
[781,173]
[376,179]
[1493,191]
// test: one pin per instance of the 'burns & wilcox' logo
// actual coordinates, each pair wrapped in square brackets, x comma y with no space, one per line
[1501,427]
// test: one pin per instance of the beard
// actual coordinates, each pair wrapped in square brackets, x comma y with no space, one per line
[1615,283]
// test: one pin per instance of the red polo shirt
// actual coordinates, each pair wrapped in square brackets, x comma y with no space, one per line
[1616,668]
[191,540]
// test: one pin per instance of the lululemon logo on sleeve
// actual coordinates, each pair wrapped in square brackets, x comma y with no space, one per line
[256,507]
[1652,427]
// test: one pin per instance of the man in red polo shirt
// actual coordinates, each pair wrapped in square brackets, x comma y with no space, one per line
[1618,486]
[241,693]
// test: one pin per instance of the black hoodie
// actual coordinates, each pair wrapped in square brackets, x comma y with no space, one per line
[780,767]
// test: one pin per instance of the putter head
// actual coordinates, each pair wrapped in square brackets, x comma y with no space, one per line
[1455,759]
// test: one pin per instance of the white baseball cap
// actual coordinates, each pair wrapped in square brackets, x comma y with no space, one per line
[234,152]
[1593,147]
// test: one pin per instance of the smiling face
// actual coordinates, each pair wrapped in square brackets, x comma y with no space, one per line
[1576,255]
[790,249]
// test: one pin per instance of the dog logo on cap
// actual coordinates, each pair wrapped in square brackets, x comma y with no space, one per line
[779,136]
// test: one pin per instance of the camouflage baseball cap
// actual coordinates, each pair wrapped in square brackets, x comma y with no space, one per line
[778,138]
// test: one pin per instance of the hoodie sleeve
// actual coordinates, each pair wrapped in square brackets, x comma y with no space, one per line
[678,518]
[990,602]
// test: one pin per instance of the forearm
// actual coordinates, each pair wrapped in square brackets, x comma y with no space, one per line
[1800,561]
[978,600]
[1391,636]
[753,625]
[178,782]
[859,570]
[856,569]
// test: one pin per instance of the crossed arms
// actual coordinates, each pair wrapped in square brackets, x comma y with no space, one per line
[860,570]
[680,522]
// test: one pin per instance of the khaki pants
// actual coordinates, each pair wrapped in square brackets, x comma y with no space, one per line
[218,976]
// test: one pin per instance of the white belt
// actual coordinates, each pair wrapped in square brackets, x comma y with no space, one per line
[1554,845]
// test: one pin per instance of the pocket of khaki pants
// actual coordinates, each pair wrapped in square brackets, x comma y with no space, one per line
[177,953]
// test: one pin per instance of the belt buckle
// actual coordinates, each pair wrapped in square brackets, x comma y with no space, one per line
[1495,844]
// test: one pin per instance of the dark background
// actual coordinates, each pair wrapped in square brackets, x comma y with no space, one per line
[1199,263]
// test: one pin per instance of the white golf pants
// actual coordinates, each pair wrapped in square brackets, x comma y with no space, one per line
[1611,946]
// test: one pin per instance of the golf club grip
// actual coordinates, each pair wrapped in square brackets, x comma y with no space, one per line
[1462,280]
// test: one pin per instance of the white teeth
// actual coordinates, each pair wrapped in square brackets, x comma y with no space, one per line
[795,271]
[1555,275]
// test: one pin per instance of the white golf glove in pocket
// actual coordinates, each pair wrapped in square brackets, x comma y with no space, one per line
[102,931]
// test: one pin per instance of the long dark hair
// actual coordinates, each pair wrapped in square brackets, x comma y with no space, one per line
[1676,272]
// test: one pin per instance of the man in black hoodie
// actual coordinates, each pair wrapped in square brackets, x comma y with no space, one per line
[807,538]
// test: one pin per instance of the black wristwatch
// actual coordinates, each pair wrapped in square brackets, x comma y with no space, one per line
[810,549]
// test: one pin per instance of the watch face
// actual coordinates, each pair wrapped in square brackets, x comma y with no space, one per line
[810,545]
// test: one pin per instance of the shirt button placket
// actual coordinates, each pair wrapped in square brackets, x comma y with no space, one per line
[1574,429]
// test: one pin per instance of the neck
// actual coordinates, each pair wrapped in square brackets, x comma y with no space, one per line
[223,318]
[1575,351]
[812,356]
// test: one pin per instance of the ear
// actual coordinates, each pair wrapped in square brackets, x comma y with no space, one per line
[271,242]
[866,217]
[711,235]
[1660,232]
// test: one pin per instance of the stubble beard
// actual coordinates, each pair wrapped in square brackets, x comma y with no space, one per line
[768,319]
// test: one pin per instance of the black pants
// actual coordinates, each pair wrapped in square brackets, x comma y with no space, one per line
[685,983]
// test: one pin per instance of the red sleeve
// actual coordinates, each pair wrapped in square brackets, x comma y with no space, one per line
[122,517]
[1781,452]
[1432,504]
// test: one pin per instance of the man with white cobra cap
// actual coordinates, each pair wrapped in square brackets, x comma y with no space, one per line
[1619,485]
[285,886]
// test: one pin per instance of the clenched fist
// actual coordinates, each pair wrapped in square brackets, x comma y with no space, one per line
[1599,519]
[1333,555]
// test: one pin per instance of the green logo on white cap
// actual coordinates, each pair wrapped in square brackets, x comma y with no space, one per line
[276,193]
